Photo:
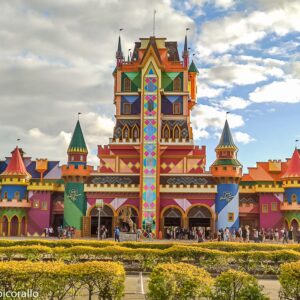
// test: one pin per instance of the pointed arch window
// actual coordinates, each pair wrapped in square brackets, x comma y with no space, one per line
[176,132]
[126,132]
[127,85]
[135,132]
[177,84]
[166,132]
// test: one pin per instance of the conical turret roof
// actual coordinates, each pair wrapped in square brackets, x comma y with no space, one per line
[293,170]
[226,140]
[16,165]
[77,143]
[193,68]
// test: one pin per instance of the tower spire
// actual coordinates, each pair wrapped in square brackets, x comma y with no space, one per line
[77,150]
[185,53]
[119,53]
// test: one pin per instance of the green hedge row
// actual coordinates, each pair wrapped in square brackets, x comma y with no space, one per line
[260,262]
[183,281]
[223,246]
[61,281]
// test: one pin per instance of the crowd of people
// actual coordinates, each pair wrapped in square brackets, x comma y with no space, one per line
[243,234]
[62,232]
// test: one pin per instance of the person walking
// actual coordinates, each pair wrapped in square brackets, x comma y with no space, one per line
[117,234]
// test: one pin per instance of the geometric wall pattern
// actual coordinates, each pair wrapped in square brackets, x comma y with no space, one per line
[135,79]
[168,79]
[150,150]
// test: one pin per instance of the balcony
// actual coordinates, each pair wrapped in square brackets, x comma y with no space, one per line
[15,203]
[286,206]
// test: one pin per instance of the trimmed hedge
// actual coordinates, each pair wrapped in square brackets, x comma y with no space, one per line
[222,246]
[236,285]
[60,281]
[259,262]
[179,281]
[290,281]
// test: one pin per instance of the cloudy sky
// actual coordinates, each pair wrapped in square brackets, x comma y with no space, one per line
[56,59]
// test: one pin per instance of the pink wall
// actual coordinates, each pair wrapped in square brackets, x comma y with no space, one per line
[272,219]
[39,219]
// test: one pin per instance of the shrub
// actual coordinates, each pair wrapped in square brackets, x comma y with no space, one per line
[179,281]
[236,285]
[60,281]
[290,281]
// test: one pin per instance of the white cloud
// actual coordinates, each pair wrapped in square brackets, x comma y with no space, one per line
[227,33]
[242,137]
[231,73]
[205,91]
[205,117]
[287,91]
[225,4]
[56,58]
[233,103]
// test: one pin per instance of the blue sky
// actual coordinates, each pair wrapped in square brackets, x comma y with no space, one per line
[56,58]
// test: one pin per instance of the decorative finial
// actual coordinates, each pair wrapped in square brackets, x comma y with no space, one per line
[78,114]
[154,13]
[227,112]
[296,141]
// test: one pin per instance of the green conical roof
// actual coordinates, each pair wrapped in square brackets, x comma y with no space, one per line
[226,140]
[77,143]
[193,68]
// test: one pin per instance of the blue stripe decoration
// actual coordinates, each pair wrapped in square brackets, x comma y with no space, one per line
[227,206]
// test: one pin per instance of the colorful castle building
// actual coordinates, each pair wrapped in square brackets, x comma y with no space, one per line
[151,175]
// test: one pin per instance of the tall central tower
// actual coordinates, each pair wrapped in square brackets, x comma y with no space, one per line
[154,92]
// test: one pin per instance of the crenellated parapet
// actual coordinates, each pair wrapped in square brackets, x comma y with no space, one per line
[76,170]
[46,186]
[14,181]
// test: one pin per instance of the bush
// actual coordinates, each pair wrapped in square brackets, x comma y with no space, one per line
[236,285]
[60,281]
[179,281]
[290,281]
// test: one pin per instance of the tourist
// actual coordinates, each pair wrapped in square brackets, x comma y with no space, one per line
[276,235]
[285,236]
[50,231]
[298,235]
[240,234]
[46,232]
[233,235]
[290,234]
[247,234]
[255,235]
[138,234]
[117,234]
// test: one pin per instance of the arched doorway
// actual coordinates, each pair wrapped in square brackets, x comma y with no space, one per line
[106,220]
[127,219]
[4,226]
[200,216]
[14,224]
[295,226]
[172,218]
[23,227]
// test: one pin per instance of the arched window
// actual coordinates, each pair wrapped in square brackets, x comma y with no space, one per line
[5,196]
[17,195]
[177,84]
[126,108]
[135,132]
[166,132]
[176,132]
[126,132]
[127,85]
[294,198]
